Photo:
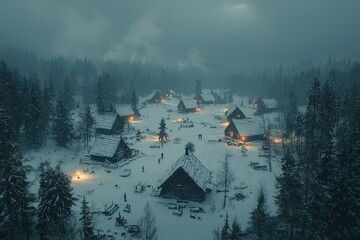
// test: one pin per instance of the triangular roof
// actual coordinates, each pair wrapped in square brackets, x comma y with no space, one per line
[105,121]
[106,146]
[124,110]
[249,126]
[189,103]
[231,108]
[194,168]
[208,97]
[270,103]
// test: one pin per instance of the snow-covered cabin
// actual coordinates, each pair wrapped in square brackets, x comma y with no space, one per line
[205,98]
[234,112]
[187,106]
[108,124]
[170,94]
[246,130]
[110,148]
[265,105]
[157,98]
[126,113]
[188,179]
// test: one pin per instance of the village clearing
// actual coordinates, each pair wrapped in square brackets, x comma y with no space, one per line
[103,186]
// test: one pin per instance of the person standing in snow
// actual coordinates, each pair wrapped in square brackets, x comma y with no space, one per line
[124,197]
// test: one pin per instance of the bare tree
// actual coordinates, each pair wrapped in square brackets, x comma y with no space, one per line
[147,224]
[226,176]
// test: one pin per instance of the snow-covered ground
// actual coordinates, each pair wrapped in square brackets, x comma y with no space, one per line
[103,186]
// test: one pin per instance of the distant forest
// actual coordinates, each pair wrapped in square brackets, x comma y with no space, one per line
[124,77]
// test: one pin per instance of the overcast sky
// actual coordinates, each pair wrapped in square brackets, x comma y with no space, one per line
[205,34]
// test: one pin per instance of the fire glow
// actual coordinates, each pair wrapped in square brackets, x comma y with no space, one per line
[81,176]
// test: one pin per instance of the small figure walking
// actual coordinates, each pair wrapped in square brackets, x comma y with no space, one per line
[162,155]
[142,168]
[159,161]
[124,197]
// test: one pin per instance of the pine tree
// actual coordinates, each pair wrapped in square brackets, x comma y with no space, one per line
[260,217]
[162,134]
[134,103]
[225,230]
[63,125]
[100,97]
[87,122]
[47,110]
[312,136]
[56,200]
[68,95]
[33,122]
[235,231]
[289,197]
[291,111]
[198,90]
[15,199]
[87,221]
[10,97]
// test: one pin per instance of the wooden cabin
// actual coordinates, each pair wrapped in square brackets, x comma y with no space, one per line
[110,148]
[206,98]
[265,105]
[108,124]
[170,94]
[187,106]
[246,130]
[234,112]
[126,113]
[157,98]
[188,179]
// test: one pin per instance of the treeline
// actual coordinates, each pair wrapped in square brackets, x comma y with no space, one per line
[276,84]
[318,193]
[83,74]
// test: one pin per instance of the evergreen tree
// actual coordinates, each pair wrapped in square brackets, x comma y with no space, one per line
[289,197]
[198,90]
[312,136]
[235,231]
[10,97]
[100,97]
[87,122]
[134,103]
[291,111]
[260,218]
[47,110]
[87,221]
[68,95]
[15,199]
[33,115]
[162,134]
[225,230]
[63,125]
[56,200]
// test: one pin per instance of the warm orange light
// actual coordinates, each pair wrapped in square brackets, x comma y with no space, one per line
[82,177]
[225,124]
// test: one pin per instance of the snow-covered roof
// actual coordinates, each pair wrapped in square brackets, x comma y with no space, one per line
[106,145]
[190,103]
[249,126]
[208,97]
[105,121]
[124,110]
[194,168]
[172,91]
[270,103]
[230,109]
